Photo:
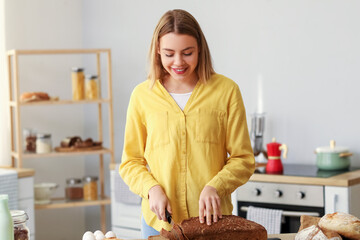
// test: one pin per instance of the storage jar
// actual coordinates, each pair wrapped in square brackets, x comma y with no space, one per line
[43,143]
[74,189]
[78,84]
[21,231]
[29,137]
[91,87]
[90,188]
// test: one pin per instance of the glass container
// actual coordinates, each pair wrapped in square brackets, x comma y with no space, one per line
[78,83]
[90,188]
[21,231]
[74,189]
[43,143]
[92,87]
[29,137]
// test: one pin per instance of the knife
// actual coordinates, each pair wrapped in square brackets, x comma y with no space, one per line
[169,218]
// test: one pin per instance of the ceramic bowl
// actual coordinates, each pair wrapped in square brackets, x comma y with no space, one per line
[43,192]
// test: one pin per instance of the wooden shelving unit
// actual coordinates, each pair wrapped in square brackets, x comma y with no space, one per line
[17,154]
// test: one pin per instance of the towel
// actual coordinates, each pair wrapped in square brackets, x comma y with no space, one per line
[122,191]
[269,218]
[9,185]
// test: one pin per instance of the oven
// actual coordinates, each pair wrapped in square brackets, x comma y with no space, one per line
[293,199]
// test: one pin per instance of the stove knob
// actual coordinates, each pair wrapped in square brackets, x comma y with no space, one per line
[278,193]
[256,192]
[300,195]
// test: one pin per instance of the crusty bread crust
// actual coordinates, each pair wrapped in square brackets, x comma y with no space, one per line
[229,227]
[345,224]
[34,96]
[315,233]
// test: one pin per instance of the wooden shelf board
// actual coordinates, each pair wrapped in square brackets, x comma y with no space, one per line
[56,51]
[58,102]
[57,203]
[62,154]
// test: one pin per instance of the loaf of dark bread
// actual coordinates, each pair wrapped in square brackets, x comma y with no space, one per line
[229,227]
[77,142]
[70,141]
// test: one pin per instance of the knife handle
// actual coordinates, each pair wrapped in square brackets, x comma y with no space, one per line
[168,216]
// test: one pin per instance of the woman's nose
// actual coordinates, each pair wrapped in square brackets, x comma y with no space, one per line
[178,59]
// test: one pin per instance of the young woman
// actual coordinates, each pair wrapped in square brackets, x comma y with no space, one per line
[187,145]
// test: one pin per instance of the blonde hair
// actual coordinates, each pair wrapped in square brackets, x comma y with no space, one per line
[181,22]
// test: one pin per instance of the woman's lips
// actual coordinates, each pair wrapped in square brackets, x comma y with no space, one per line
[179,70]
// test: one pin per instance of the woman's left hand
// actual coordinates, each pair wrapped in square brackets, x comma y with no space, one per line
[209,203]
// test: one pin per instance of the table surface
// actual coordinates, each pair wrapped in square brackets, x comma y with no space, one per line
[286,236]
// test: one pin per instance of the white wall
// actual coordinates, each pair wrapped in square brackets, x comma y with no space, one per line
[43,24]
[308,53]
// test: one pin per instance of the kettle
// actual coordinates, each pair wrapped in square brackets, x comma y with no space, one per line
[274,165]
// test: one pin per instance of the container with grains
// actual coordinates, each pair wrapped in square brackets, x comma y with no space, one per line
[90,188]
[91,87]
[78,83]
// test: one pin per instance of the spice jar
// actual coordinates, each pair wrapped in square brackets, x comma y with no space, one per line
[74,189]
[91,87]
[77,77]
[43,143]
[90,188]
[29,137]
[21,231]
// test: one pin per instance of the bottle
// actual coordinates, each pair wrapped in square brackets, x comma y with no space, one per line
[21,231]
[91,87]
[6,222]
[90,188]
[78,84]
[43,143]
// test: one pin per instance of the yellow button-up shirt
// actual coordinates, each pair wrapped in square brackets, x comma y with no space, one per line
[182,151]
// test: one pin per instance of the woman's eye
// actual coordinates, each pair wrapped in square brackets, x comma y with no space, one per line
[169,55]
[187,54]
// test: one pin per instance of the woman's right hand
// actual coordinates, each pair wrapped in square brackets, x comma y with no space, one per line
[158,202]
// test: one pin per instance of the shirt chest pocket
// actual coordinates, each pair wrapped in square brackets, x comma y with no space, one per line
[157,129]
[210,126]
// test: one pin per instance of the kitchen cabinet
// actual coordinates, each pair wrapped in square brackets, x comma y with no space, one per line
[17,153]
[125,218]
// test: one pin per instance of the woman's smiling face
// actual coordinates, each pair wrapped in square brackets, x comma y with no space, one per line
[179,55]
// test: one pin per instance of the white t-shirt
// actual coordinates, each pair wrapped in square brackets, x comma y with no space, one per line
[181,99]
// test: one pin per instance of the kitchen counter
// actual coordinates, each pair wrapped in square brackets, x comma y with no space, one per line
[342,180]
[22,172]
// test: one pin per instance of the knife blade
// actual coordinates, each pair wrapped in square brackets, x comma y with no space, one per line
[169,218]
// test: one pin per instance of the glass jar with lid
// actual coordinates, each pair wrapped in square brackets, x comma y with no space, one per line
[78,83]
[29,137]
[74,189]
[91,87]
[90,188]
[21,231]
[43,143]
